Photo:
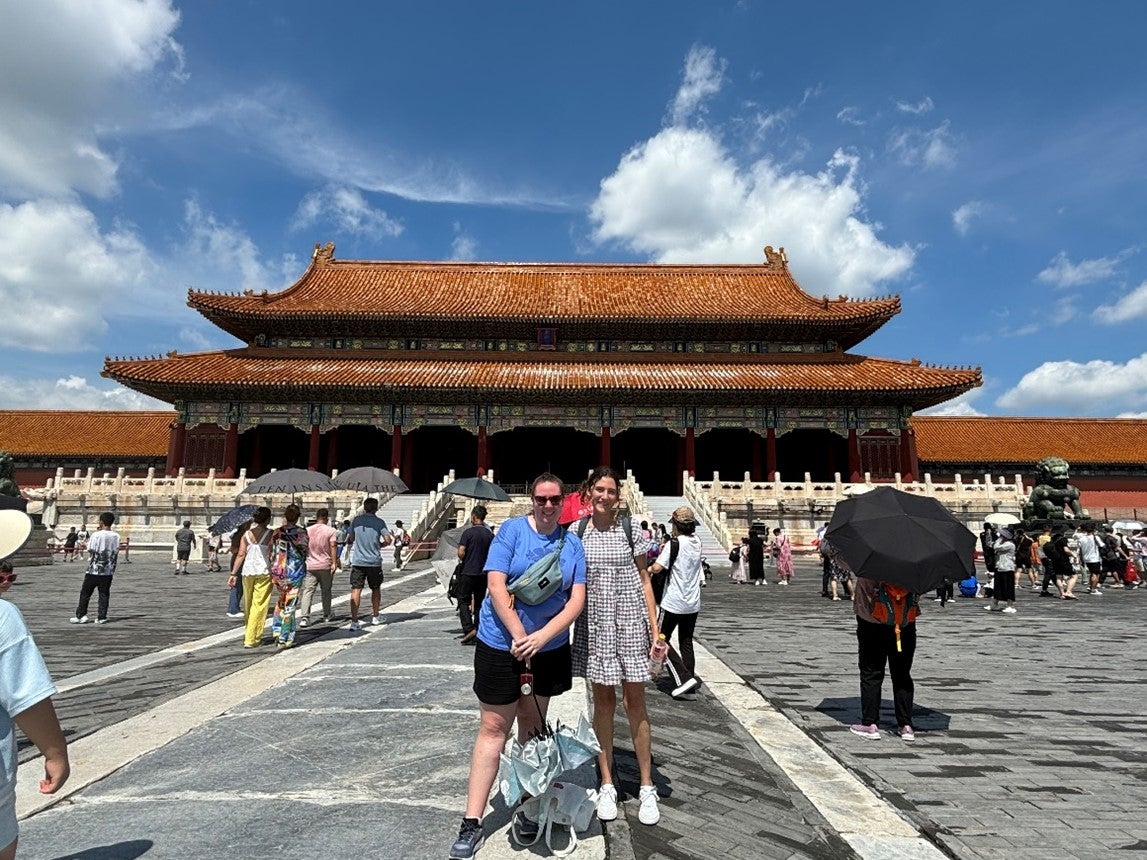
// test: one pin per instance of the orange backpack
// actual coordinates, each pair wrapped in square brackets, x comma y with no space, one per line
[895,606]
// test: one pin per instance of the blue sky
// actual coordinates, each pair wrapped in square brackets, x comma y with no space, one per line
[985,161]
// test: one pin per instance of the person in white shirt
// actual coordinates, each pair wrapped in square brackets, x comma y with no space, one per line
[103,556]
[681,602]
[1089,554]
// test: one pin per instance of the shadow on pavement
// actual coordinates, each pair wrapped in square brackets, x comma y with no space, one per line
[119,851]
[846,711]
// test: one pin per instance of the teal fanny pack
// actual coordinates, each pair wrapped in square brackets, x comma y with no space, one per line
[542,578]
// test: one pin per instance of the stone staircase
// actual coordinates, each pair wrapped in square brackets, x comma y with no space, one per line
[659,510]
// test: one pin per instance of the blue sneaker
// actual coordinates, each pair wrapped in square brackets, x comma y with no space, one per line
[469,840]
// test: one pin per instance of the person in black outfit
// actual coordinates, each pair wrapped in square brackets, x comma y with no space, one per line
[473,547]
[756,558]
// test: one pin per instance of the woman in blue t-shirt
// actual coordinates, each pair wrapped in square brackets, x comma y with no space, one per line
[512,634]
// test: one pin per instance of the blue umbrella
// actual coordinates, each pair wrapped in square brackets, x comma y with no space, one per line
[233,519]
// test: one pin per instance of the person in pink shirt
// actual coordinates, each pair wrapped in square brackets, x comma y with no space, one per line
[322,562]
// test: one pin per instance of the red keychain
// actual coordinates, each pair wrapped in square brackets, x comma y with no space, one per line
[527,681]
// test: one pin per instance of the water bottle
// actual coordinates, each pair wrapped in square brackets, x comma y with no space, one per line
[657,656]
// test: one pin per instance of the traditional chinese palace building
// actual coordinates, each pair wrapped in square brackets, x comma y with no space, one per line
[519,368]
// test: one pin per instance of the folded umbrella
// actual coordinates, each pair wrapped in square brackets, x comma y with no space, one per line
[370,479]
[233,519]
[908,540]
[531,768]
[477,488]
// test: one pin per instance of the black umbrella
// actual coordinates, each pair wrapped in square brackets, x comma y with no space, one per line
[290,481]
[370,479]
[908,540]
[477,488]
[233,519]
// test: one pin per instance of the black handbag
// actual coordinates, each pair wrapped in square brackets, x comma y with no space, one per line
[455,586]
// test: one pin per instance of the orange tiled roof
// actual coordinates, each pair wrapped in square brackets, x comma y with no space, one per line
[838,376]
[1027,440]
[546,293]
[46,433]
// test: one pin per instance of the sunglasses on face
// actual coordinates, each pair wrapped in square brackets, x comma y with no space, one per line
[7,578]
[542,501]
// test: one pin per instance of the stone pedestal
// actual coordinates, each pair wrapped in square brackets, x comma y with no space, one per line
[35,552]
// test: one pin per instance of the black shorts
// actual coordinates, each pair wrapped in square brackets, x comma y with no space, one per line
[182,554]
[1094,567]
[497,675]
[371,576]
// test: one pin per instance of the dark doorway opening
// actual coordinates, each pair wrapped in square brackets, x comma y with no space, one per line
[360,445]
[728,452]
[518,456]
[821,453]
[434,451]
[273,446]
[653,456]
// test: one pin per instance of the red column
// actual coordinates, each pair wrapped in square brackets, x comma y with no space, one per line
[332,449]
[313,453]
[770,453]
[176,442]
[396,448]
[231,452]
[909,465]
[604,459]
[690,453]
[853,456]
[483,465]
[755,458]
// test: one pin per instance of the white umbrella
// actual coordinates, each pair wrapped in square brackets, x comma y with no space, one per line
[1128,525]
[1002,519]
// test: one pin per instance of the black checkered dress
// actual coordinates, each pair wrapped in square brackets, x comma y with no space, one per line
[612,637]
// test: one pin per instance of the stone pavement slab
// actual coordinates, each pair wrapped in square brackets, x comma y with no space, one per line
[365,752]
[1029,726]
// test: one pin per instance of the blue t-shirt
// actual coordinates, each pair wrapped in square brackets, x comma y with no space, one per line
[516,546]
[24,681]
[366,550]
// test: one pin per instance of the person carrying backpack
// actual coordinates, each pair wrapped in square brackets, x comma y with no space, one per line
[885,636]
[681,560]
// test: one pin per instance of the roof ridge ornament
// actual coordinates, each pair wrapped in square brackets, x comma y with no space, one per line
[775,259]
[323,254]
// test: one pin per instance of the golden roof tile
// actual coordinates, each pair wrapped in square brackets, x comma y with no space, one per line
[79,433]
[943,439]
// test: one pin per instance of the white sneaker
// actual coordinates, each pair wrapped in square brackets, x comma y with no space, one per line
[1010,610]
[303,623]
[607,803]
[989,607]
[688,686]
[648,813]
[234,614]
[81,620]
[354,625]
[101,621]
[375,620]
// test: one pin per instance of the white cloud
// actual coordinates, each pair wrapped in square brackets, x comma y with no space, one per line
[1093,387]
[923,106]
[348,211]
[59,274]
[961,405]
[1061,272]
[71,392]
[220,256]
[464,246]
[682,197]
[62,66]
[929,148]
[850,116]
[1131,306]
[1137,415]
[703,76]
[964,215]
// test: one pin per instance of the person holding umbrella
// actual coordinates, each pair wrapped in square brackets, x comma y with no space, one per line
[1005,589]
[522,657]
[899,545]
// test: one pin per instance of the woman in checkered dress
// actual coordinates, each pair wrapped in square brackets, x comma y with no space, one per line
[614,635]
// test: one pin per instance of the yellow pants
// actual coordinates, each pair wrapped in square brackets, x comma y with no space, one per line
[256,601]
